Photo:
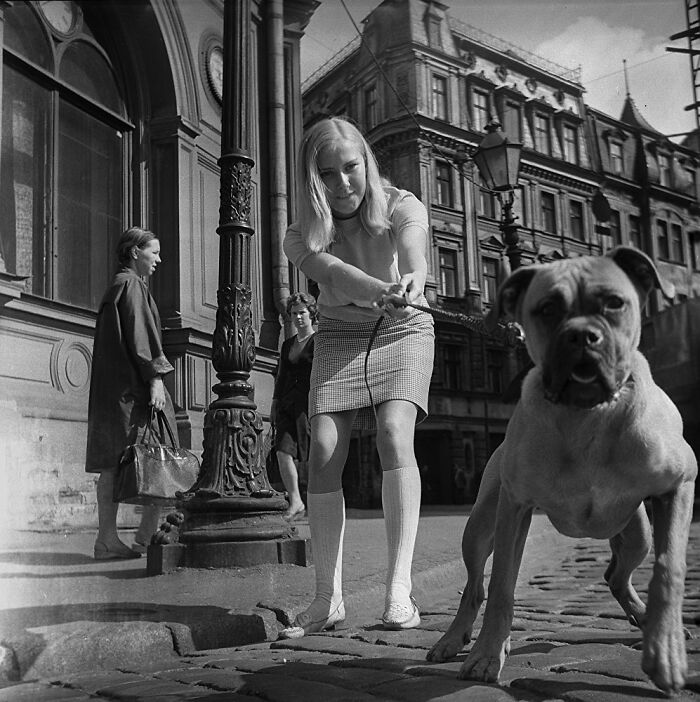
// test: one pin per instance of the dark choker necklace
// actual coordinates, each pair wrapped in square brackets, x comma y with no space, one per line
[342,218]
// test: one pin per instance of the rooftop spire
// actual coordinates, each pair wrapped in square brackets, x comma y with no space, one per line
[627,80]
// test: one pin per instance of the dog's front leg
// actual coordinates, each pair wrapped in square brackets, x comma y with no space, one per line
[664,658]
[477,544]
[486,658]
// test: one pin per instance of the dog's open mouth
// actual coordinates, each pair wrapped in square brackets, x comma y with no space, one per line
[584,386]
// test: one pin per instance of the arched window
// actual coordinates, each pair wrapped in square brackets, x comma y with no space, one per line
[63,157]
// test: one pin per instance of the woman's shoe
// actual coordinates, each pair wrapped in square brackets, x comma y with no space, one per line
[401,616]
[304,625]
[104,553]
[293,514]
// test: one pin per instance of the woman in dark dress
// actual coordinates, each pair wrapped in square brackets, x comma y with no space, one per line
[128,366]
[289,411]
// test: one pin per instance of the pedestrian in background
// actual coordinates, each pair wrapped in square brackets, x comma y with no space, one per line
[128,366]
[290,399]
[364,244]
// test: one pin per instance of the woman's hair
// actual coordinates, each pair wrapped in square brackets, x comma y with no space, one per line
[302,298]
[315,217]
[133,236]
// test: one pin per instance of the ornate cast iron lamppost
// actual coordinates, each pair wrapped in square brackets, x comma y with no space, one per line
[232,515]
[498,161]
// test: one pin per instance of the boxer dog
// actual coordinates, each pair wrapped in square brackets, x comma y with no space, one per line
[590,439]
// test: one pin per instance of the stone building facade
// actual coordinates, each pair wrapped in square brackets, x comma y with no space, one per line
[423,86]
[111,117]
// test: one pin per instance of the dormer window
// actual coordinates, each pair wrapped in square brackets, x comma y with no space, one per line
[664,170]
[616,158]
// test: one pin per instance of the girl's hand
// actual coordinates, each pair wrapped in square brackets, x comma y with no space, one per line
[392,302]
[157,393]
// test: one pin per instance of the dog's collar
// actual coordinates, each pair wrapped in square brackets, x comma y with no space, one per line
[555,398]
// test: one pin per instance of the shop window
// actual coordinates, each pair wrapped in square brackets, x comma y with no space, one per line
[616,158]
[662,241]
[452,367]
[448,271]
[635,231]
[549,213]
[495,370]
[62,162]
[439,97]
[443,184]
[576,227]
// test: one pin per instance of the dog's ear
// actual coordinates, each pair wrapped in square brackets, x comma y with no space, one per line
[512,289]
[641,269]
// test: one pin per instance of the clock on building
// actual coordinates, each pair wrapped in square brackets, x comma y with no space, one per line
[62,15]
[215,70]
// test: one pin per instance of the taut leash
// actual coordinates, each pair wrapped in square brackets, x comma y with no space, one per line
[509,333]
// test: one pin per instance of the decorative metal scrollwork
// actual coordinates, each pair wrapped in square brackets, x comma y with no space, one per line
[233,345]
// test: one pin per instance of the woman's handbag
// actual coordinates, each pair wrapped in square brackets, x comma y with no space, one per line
[151,472]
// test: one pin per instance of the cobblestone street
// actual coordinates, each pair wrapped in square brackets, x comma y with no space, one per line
[570,641]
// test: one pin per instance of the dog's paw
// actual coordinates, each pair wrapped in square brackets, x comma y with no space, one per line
[447,647]
[484,663]
[664,659]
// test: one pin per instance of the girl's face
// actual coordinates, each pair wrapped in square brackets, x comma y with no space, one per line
[343,172]
[301,317]
[147,258]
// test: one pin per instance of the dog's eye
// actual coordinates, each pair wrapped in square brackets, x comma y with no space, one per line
[614,303]
[548,309]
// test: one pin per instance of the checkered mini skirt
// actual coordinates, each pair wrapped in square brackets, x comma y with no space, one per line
[399,367]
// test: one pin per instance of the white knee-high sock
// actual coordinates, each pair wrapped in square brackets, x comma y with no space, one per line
[401,501]
[327,526]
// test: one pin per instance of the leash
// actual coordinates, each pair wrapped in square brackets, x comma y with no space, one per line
[508,333]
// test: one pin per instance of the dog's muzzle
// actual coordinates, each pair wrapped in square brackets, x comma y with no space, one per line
[580,369]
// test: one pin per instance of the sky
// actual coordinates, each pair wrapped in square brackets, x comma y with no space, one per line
[596,35]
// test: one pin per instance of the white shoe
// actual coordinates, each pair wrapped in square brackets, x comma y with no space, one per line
[304,625]
[401,616]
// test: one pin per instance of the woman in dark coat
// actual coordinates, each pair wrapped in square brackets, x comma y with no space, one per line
[128,366]
[291,398]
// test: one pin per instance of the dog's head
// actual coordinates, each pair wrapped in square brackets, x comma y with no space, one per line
[582,320]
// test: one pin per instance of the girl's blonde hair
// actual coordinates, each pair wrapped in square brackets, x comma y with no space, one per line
[315,217]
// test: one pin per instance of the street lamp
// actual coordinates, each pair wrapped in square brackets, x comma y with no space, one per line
[498,161]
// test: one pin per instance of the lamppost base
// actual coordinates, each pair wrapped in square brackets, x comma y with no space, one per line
[227,532]
[167,558]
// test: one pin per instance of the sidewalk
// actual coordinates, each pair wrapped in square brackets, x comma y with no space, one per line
[63,611]
[164,638]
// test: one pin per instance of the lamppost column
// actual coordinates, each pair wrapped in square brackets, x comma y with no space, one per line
[509,232]
[232,501]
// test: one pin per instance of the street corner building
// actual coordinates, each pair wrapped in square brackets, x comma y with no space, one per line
[112,117]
